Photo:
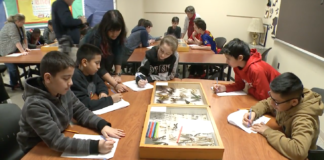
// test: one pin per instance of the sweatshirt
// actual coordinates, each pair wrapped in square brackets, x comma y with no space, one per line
[84,87]
[149,36]
[300,126]
[49,36]
[139,36]
[32,42]
[152,69]
[257,74]
[176,32]
[44,118]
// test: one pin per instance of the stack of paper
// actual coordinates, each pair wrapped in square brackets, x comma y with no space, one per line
[97,156]
[236,119]
[237,93]
[14,55]
[132,85]
[115,106]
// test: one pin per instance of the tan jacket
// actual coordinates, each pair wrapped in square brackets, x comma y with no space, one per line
[300,125]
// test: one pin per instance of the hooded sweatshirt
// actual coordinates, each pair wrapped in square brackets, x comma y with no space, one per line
[152,69]
[149,36]
[139,36]
[257,74]
[44,118]
[300,125]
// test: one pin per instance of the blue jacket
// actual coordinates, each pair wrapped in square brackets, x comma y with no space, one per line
[138,36]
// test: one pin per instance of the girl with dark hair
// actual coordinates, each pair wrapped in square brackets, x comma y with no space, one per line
[109,35]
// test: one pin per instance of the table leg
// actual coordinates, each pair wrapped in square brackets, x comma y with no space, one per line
[19,79]
[222,72]
[229,70]
[184,71]
[207,72]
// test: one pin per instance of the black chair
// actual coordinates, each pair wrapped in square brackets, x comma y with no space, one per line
[316,154]
[3,68]
[9,118]
[265,54]
[214,70]
[319,91]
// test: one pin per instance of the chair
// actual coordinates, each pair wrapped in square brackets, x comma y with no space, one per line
[265,54]
[319,91]
[316,154]
[3,68]
[9,118]
[220,42]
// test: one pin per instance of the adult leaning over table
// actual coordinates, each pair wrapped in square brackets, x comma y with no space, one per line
[109,35]
[12,40]
[188,26]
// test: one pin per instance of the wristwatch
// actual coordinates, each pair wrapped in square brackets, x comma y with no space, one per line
[118,74]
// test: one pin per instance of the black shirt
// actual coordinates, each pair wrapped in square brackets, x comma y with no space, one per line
[176,32]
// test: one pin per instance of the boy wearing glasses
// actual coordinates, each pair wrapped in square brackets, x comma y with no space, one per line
[297,111]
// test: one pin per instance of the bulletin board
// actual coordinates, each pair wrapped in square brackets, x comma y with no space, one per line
[36,11]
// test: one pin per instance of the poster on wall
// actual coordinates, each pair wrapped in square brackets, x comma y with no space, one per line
[36,11]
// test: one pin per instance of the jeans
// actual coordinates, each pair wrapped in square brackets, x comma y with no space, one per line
[13,73]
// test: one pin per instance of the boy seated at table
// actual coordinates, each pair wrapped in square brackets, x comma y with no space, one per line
[249,68]
[174,29]
[49,34]
[297,111]
[86,81]
[140,24]
[160,62]
[50,106]
[35,39]
[206,42]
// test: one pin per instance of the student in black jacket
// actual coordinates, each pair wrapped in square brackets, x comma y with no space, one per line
[35,39]
[160,62]
[86,81]
[64,23]
[175,29]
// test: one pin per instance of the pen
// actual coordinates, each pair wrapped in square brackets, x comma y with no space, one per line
[179,134]
[216,83]
[71,131]
[38,42]
[113,91]
[250,116]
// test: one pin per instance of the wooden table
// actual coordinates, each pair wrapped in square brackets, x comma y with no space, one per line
[34,56]
[239,145]
[193,56]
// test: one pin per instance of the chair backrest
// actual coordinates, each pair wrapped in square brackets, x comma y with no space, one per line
[319,91]
[9,127]
[316,154]
[220,42]
[265,54]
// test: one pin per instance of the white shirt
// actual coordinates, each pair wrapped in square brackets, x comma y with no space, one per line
[186,24]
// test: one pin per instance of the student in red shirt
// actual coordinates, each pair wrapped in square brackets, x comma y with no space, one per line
[249,70]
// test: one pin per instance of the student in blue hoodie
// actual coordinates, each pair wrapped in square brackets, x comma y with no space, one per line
[140,24]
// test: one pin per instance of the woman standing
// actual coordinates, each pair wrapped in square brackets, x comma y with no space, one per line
[189,21]
[12,40]
[109,35]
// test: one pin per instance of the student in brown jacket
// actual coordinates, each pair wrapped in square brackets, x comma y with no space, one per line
[297,111]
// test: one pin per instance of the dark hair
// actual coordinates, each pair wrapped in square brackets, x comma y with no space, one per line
[287,85]
[36,30]
[200,23]
[190,9]
[141,22]
[88,52]
[235,48]
[49,22]
[148,23]
[175,19]
[54,62]
[112,21]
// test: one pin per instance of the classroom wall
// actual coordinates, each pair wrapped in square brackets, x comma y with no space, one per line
[132,11]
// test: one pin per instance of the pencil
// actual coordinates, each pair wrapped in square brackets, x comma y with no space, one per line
[151,129]
[71,131]
[155,129]
[148,129]
[179,134]
[152,135]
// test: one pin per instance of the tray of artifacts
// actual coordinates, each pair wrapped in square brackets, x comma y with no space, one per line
[180,132]
[178,93]
[182,46]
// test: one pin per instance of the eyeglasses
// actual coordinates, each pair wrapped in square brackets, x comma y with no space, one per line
[277,103]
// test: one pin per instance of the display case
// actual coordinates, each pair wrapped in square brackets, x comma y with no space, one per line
[182,46]
[50,47]
[180,132]
[178,93]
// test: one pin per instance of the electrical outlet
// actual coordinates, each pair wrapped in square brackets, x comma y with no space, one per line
[278,65]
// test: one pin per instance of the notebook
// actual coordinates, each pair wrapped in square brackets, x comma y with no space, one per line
[93,156]
[236,118]
[115,106]
[132,85]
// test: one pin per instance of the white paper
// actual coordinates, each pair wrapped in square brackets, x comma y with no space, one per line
[132,85]
[161,83]
[236,119]
[96,156]
[236,93]
[192,126]
[192,45]
[34,49]
[115,106]
[158,109]
[41,9]
[14,55]
[149,47]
